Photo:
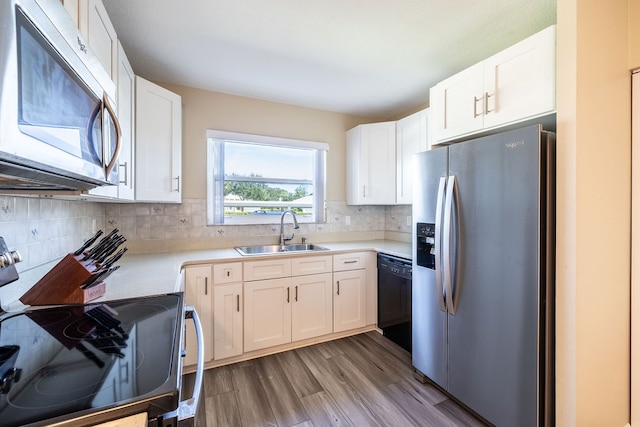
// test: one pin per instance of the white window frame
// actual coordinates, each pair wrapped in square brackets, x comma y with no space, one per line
[215,174]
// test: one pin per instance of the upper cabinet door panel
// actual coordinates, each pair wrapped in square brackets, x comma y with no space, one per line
[458,103]
[519,82]
[158,143]
[371,164]
[96,27]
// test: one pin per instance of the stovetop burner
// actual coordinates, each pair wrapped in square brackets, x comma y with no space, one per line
[80,359]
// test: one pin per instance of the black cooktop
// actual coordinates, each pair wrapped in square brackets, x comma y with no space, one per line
[80,361]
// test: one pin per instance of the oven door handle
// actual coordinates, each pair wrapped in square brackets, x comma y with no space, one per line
[187,409]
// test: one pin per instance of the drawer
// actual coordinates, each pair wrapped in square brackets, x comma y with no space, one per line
[268,269]
[350,261]
[227,273]
[311,265]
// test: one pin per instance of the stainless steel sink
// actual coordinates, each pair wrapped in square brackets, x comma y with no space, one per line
[278,249]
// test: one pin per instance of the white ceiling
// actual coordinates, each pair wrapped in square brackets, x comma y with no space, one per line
[374,58]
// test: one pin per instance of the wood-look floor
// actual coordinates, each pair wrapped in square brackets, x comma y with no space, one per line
[364,380]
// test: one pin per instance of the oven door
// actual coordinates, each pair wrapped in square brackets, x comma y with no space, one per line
[185,414]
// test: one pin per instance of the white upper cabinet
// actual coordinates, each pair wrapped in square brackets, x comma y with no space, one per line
[126,116]
[514,85]
[96,27]
[371,164]
[411,138]
[73,8]
[158,147]
[125,98]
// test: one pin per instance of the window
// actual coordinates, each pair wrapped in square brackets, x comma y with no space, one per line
[252,179]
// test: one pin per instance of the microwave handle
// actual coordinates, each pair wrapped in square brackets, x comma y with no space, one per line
[112,162]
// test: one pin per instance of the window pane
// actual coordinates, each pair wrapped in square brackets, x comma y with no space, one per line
[267,161]
[253,183]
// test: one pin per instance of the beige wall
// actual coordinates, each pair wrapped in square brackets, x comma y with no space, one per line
[204,110]
[593,213]
[634,34]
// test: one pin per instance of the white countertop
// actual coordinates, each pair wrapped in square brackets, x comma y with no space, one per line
[157,273]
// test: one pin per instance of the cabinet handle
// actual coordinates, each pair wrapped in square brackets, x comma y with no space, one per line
[475,109]
[108,167]
[177,178]
[351,262]
[126,173]
[228,273]
[296,297]
[487,95]
[206,286]
[238,303]
[364,191]
[338,286]
[288,294]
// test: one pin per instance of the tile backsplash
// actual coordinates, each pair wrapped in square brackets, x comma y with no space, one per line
[161,227]
[45,229]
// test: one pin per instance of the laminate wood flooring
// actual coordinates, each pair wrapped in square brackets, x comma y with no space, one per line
[363,380]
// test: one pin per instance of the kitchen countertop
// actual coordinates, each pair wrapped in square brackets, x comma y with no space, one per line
[157,273]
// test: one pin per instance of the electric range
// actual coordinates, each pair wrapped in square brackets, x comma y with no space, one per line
[87,364]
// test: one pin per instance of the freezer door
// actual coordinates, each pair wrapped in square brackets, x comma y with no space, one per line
[493,336]
[429,349]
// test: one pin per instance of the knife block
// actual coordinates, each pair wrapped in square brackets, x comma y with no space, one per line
[62,285]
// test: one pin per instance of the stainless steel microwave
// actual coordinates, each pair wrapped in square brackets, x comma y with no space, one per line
[58,126]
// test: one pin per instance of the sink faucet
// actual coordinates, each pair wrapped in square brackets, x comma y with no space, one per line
[284,239]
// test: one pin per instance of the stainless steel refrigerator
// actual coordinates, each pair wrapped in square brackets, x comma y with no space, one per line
[483,274]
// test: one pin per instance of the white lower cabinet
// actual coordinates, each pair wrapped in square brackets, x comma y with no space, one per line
[198,293]
[251,305]
[290,308]
[227,310]
[267,313]
[350,291]
[312,308]
[227,320]
[349,300]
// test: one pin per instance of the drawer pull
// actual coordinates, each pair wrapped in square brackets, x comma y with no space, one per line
[338,286]
[238,303]
[288,294]
[296,297]
[351,262]
[206,286]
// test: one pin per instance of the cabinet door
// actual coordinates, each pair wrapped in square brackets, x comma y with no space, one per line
[95,25]
[457,103]
[371,169]
[267,313]
[198,293]
[126,117]
[349,300]
[411,138]
[519,82]
[73,8]
[158,143]
[311,312]
[227,320]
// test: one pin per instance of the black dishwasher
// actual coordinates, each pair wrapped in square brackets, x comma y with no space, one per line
[394,299]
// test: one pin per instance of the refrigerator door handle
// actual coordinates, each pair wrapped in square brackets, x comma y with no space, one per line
[438,244]
[451,197]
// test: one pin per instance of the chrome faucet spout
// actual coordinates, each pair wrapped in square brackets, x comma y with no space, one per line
[284,239]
